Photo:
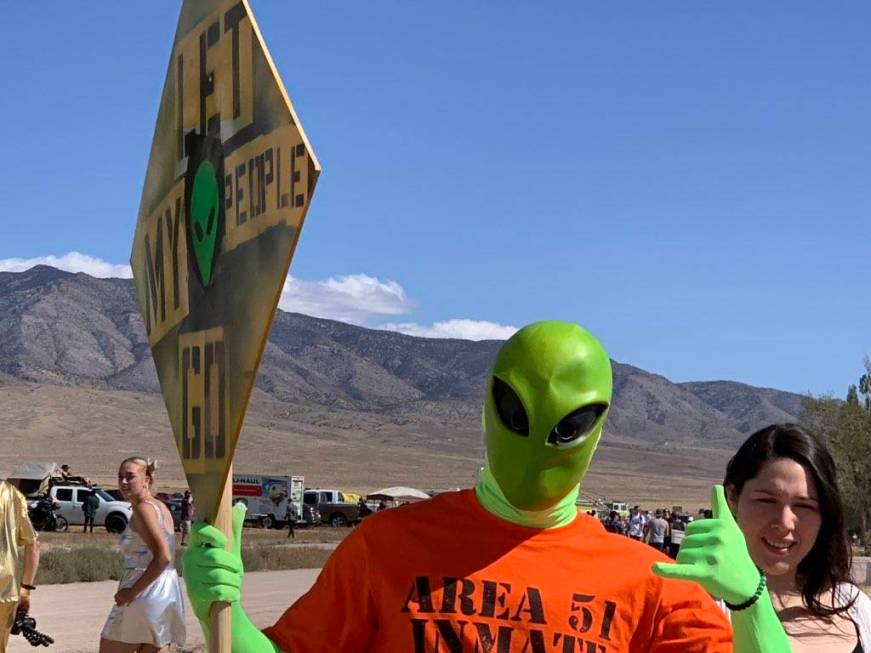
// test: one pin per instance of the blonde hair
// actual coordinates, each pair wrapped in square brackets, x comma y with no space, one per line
[148,464]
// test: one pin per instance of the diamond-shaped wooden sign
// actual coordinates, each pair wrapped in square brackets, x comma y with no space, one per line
[229,180]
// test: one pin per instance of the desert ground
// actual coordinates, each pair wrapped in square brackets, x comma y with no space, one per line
[74,614]
[93,430]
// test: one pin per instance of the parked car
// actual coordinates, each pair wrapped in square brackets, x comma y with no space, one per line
[368,507]
[113,515]
[311,516]
[335,509]
[174,506]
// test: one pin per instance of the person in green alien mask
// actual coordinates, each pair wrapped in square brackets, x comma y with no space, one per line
[508,566]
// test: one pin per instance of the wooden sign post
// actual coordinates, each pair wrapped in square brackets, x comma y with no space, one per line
[229,181]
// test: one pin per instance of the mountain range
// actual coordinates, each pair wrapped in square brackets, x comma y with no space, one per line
[73,336]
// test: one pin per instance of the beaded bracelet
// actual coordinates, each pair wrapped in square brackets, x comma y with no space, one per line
[746,604]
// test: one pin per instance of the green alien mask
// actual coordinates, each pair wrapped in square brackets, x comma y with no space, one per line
[204,213]
[546,402]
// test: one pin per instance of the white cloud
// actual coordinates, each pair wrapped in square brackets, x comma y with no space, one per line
[71,262]
[463,329]
[353,298]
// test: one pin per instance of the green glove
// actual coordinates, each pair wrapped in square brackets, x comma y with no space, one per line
[714,554]
[212,574]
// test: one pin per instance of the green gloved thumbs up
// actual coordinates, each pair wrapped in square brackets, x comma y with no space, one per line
[714,554]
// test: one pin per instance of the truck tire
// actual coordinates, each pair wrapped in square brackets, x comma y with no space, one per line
[116,523]
[338,520]
[267,521]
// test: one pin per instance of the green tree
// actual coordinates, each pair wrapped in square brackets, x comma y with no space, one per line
[845,426]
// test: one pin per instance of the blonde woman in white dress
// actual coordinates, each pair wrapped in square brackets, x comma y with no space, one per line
[148,616]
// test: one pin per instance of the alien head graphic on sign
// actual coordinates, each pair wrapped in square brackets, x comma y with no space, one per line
[204,203]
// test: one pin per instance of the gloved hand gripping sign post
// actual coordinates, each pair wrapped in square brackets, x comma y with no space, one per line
[229,180]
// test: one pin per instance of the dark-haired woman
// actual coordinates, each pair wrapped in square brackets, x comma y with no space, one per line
[782,488]
[779,526]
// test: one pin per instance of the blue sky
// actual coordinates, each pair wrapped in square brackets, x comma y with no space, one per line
[690,181]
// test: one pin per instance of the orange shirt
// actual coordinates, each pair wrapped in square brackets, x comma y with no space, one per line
[446,576]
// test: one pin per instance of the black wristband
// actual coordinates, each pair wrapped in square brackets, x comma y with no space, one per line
[28,587]
[746,604]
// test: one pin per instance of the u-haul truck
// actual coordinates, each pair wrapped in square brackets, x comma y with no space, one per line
[271,498]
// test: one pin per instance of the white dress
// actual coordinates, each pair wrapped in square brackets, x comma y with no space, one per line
[156,616]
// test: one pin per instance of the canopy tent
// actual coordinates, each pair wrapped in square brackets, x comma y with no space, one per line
[33,478]
[405,494]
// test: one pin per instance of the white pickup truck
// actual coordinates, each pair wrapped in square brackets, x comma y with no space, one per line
[112,514]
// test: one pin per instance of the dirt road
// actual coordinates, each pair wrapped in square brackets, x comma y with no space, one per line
[74,614]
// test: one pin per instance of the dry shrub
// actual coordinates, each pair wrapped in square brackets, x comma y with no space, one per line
[267,558]
[95,563]
[263,558]
[80,564]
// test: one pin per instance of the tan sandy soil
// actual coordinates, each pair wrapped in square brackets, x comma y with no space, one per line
[252,536]
[93,430]
[74,614]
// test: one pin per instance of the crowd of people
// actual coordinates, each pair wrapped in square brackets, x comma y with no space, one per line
[773,552]
[663,529]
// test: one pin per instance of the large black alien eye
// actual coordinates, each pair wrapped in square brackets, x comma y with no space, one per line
[510,408]
[576,425]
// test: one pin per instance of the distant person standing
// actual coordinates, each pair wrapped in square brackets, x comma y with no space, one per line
[187,516]
[90,505]
[636,524]
[657,529]
[667,516]
[678,530]
[15,531]
[291,518]
[613,523]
